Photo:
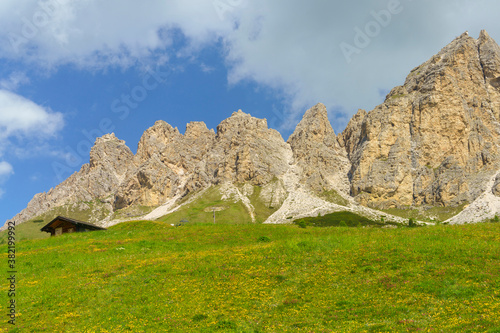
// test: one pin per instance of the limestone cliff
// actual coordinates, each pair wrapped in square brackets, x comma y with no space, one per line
[434,140]
[168,162]
[246,150]
[243,150]
[316,150]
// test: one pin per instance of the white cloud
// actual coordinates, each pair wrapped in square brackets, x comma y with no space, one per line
[296,47]
[206,69]
[94,33]
[25,120]
[6,169]
[292,46]
[22,117]
[15,80]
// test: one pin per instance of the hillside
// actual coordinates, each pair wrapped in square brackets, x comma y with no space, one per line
[151,277]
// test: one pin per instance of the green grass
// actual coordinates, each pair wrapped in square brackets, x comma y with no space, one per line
[151,277]
[27,230]
[262,210]
[432,214]
[199,211]
[333,197]
[402,212]
[83,211]
[132,212]
[341,219]
[398,96]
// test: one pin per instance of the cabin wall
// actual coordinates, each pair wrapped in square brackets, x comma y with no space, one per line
[67,228]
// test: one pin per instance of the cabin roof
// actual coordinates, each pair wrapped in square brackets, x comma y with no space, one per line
[48,227]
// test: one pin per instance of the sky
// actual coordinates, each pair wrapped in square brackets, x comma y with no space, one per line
[74,70]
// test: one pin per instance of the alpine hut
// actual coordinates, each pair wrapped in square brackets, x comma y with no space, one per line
[63,225]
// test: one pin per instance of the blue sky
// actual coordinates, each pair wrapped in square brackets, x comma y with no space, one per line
[74,70]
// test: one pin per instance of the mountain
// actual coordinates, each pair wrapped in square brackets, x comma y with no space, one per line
[432,146]
[435,139]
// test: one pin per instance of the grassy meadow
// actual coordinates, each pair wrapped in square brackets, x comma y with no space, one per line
[25,231]
[152,277]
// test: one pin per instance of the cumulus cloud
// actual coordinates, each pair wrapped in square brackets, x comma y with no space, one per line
[24,118]
[6,169]
[295,46]
[292,46]
[96,33]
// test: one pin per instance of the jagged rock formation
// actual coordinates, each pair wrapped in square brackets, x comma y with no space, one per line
[248,151]
[243,150]
[433,142]
[168,164]
[435,139]
[350,138]
[315,148]
[110,161]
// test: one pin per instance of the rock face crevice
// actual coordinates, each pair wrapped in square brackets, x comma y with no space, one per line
[434,141]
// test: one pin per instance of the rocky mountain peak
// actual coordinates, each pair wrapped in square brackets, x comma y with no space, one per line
[489,53]
[317,152]
[195,129]
[106,138]
[434,138]
[155,139]
[434,141]
[315,126]
[241,123]
[484,35]
[352,134]
[238,113]
[247,150]
[460,55]
[112,153]
[163,129]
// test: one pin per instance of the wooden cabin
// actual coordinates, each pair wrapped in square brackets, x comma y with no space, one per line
[63,225]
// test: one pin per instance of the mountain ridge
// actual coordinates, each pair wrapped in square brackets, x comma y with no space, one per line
[434,141]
